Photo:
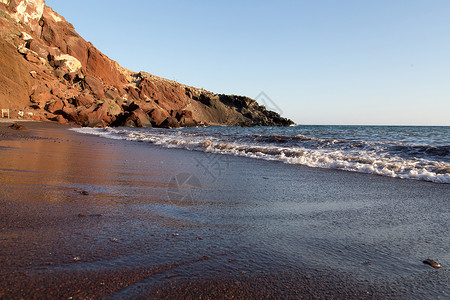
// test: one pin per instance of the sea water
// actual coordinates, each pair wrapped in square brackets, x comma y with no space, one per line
[272,215]
[408,152]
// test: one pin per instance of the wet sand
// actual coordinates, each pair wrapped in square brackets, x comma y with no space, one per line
[82,217]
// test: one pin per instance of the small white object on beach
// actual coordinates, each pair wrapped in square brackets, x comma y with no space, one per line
[175,234]
[76,258]
[114,240]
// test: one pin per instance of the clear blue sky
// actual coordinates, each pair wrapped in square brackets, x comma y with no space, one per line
[320,61]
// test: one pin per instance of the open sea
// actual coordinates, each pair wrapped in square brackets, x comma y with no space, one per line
[408,152]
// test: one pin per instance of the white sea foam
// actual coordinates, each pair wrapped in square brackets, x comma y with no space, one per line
[356,156]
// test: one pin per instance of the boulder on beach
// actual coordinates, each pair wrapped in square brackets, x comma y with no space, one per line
[138,118]
[17,126]
[170,122]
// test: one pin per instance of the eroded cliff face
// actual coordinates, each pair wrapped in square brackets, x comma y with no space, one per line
[27,12]
[51,73]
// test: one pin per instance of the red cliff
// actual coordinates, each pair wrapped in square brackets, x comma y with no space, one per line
[51,73]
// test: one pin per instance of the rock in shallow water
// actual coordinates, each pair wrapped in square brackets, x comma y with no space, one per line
[432,263]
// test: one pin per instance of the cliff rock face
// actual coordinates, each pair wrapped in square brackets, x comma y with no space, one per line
[51,73]
[27,12]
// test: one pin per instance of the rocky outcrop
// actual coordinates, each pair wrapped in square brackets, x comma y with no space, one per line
[49,72]
[26,12]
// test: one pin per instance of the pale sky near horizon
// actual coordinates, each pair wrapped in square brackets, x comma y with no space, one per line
[321,62]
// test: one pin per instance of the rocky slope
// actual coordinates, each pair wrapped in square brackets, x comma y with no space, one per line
[51,73]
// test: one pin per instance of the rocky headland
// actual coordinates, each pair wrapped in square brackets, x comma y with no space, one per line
[49,72]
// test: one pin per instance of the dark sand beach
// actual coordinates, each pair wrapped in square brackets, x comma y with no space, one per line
[84,217]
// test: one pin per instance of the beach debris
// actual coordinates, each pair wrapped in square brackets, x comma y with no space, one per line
[175,234]
[85,193]
[432,263]
[76,258]
[17,126]
[91,215]
[265,177]
[114,240]
[199,238]
[367,262]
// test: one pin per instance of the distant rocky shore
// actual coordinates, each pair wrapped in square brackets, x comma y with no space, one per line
[49,72]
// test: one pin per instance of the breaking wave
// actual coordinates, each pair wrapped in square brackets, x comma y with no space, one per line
[373,156]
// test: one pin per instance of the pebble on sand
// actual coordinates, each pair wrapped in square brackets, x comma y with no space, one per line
[432,263]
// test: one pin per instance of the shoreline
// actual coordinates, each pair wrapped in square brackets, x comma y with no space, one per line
[386,157]
[129,236]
